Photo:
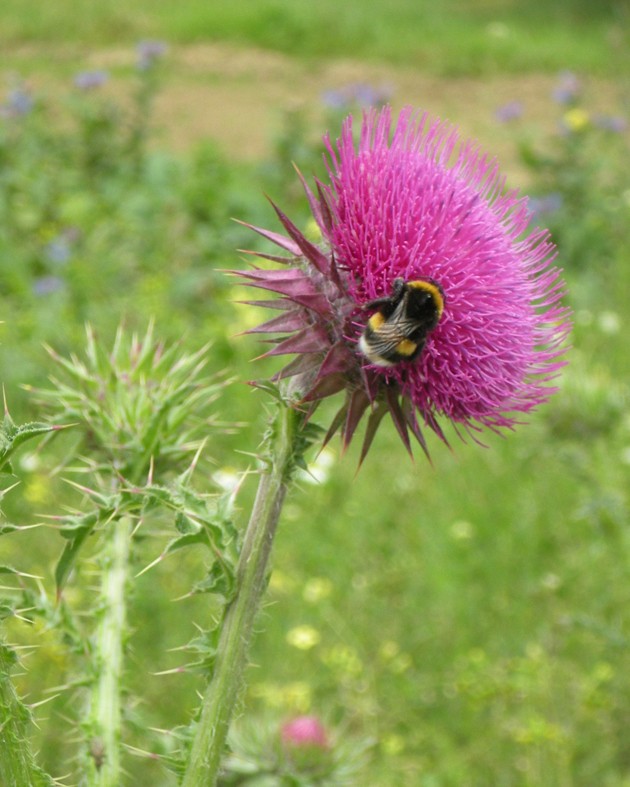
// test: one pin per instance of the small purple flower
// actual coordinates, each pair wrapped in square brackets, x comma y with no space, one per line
[367,95]
[334,99]
[613,123]
[544,205]
[409,202]
[359,93]
[90,80]
[59,249]
[47,285]
[513,110]
[568,88]
[18,103]
[149,52]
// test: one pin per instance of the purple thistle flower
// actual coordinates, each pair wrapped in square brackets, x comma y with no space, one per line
[410,202]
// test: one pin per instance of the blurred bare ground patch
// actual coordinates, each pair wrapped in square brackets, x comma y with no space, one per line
[238,96]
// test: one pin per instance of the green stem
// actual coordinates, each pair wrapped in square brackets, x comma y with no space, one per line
[104,721]
[236,631]
[17,765]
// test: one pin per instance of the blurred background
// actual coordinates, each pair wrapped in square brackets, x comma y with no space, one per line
[469,618]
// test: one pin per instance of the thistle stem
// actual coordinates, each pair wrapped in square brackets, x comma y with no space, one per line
[251,579]
[104,721]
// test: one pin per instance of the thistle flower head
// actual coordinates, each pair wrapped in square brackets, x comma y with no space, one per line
[304,731]
[409,203]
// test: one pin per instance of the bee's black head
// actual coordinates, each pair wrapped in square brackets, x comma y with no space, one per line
[424,302]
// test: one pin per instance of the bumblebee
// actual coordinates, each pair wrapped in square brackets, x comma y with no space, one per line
[398,329]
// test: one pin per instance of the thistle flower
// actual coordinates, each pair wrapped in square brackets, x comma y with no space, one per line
[304,731]
[410,201]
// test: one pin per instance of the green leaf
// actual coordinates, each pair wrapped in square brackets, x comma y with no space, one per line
[218,581]
[76,529]
[68,556]
[76,523]
[12,436]
[185,525]
[270,388]
[187,540]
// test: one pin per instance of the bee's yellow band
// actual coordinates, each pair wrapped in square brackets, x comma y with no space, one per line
[376,321]
[406,348]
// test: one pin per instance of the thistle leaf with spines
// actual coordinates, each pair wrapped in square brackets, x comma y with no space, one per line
[13,436]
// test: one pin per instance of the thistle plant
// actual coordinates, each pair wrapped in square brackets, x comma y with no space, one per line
[418,206]
[143,415]
[301,751]
[288,437]
[17,761]
[421,252]
[407,203]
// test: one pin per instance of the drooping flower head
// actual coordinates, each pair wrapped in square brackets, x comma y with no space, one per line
[409,203]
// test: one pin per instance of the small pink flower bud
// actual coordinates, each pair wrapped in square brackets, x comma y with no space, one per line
[304,731]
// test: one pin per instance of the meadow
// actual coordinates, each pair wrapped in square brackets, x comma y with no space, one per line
[457,623]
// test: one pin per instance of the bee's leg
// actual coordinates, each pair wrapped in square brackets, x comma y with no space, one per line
[398,288]
[376,304]
[390,301]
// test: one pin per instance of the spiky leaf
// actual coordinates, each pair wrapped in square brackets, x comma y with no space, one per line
[13,436]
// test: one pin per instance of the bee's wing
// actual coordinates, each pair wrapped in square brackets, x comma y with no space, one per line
[386,337]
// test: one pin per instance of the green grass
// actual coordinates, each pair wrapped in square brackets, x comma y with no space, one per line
[488,596]
[445,38]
